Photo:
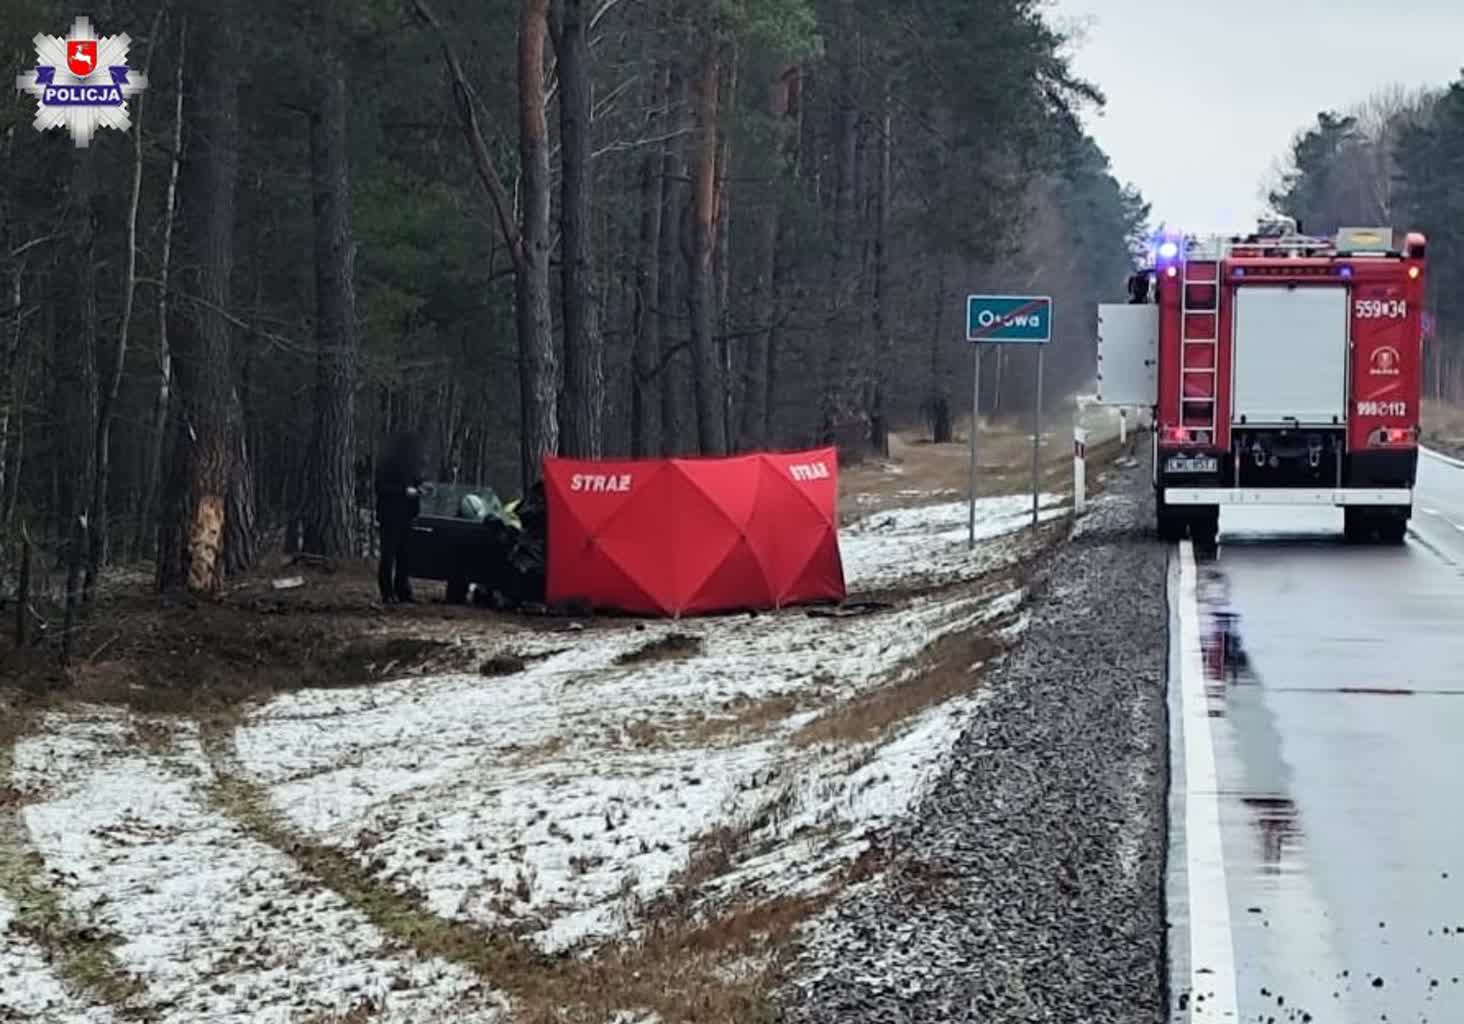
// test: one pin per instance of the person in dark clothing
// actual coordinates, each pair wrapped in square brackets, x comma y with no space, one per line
[399,477]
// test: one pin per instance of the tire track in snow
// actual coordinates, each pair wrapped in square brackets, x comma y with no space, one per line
[217,925]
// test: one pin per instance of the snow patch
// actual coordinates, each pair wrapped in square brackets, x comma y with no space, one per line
[217,925]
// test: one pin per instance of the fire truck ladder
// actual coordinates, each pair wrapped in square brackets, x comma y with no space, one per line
[1199,348]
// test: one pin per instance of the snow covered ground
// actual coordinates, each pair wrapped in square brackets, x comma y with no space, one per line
[556,800]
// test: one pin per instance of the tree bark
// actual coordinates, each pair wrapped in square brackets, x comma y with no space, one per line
[75,300]
[538,365]
[582,413]
[711,439]
[673,198]
[721,255]
[205,334]
[99,523]
[330,507]
[646,322]
[152,467]
[765,307]
[879,427]
[939,403]
[846,130]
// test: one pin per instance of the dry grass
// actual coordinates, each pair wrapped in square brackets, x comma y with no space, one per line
[920,472]
[945,671]
[1443,424]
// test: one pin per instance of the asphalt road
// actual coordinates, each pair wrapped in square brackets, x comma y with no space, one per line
[1316,855]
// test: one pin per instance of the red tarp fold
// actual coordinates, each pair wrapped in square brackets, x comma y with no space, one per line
[687,536]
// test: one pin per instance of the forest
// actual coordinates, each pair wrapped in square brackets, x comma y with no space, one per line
[587,227]
[1394,159]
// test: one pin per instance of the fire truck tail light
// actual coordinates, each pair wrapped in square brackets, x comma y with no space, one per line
[1386,436]
[1174,272]
[1179,434]
[1413,273]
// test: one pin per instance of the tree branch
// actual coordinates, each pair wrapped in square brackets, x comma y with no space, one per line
[468,116]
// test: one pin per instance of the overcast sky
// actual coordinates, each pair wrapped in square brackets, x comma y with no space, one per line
[1203,97]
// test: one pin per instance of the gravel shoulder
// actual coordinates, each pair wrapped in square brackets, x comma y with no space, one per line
[1027,885]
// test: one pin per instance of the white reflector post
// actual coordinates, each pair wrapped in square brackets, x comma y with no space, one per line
[1080,470]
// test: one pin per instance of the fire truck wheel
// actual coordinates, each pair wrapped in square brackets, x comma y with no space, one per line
[1171,527]
[1393,529]
[1205,527]
[1358,525]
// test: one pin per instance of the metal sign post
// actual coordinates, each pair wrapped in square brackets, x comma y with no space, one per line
[1007,319]
[975,421]
[1037,442]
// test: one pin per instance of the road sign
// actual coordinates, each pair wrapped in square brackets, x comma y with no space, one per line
[1025,319]
[1002,320]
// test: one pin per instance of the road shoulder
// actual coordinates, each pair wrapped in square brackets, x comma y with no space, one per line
[1028,883]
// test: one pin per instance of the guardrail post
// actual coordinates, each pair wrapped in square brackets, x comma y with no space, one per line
[1080,470]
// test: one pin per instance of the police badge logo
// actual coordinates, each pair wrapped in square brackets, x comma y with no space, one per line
[82,82]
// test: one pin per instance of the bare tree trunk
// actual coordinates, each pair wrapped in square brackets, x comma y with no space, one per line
[99,532]
[710,437]
[538,365]
[22,360]
[846,138]
[673,199]
[938,405]
[754,430]
[11,387]
[77,385]
[330,507]
[204,360]
[582,415]
[646,325]
[879,427]
[721,260]
[152,468]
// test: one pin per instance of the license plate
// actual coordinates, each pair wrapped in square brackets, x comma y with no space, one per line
[1191,464]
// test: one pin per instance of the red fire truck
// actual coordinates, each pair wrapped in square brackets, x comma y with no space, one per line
[1281,369]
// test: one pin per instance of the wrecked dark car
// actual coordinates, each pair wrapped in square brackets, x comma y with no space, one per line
[467,538]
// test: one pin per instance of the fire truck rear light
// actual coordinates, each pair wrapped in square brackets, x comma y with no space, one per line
[1179,434]
[1168,250]
[1413,273]
[1399,435]
[1174,272]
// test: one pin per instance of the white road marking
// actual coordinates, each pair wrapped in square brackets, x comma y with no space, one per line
[1212,947]
[1447,460]
[1430,511]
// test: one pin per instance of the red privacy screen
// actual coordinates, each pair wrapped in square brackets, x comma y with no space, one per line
[687,536]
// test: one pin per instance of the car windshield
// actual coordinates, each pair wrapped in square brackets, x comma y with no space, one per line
[460,501]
